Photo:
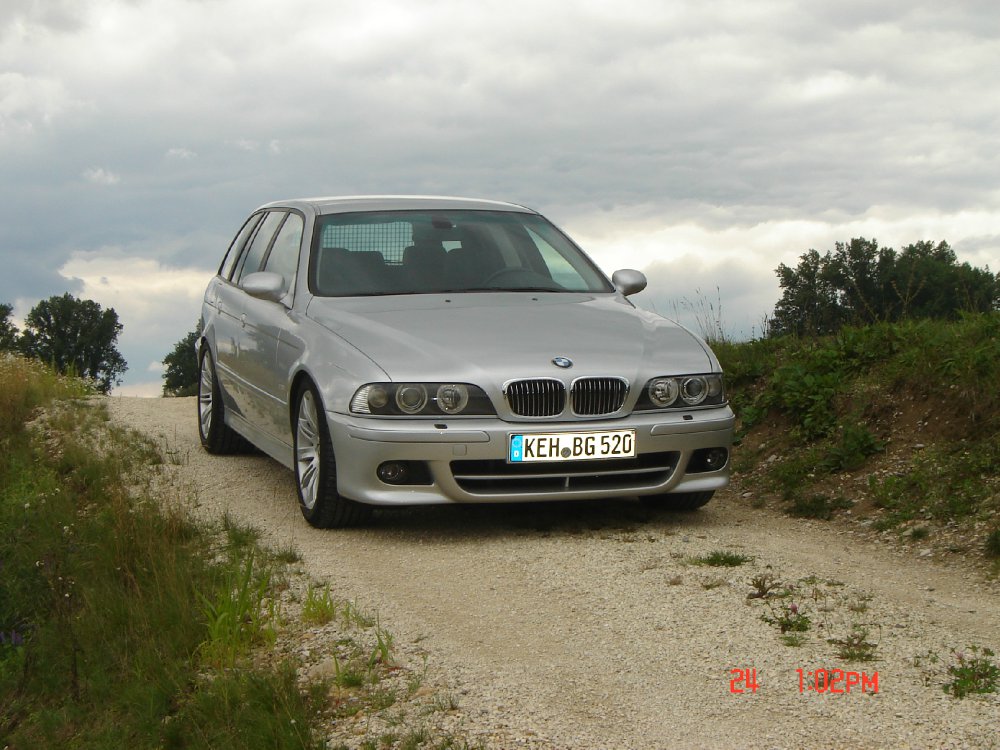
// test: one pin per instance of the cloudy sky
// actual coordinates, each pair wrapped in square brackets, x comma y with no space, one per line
[702,142]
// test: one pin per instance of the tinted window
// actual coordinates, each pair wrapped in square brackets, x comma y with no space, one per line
[233,254]
[284,256]
[420,252]
[251,260]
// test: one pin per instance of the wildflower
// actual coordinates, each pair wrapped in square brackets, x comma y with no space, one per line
[793,608]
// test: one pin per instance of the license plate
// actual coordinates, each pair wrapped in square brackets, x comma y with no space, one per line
[571,446]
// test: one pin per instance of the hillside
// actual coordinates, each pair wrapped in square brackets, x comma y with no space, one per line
[893,427]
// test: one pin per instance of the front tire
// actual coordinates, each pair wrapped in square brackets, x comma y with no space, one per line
[316,468]
[681,501]
[217,437]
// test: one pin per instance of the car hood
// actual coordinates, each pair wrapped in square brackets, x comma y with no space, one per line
[492,337]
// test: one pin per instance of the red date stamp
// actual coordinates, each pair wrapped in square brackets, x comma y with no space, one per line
[822,681]
[836,681]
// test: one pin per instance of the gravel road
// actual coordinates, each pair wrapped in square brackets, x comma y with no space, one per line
[587,625]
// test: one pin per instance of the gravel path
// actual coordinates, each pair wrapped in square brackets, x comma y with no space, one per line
[586,625]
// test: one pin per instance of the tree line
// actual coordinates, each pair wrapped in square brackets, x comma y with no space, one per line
[859,283]
[75,336]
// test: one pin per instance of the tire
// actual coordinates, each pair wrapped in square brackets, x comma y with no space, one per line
[316,467]
[216,436]
[681,501]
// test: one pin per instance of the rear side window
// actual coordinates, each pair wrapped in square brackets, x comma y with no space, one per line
[254,255]
[284,256]
[233,254]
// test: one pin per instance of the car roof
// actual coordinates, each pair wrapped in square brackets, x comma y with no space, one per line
[351,203]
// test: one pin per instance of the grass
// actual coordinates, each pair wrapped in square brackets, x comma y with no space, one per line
[319,606]
[721,559]
[125,624]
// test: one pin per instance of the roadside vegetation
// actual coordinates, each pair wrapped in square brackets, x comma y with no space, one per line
[123,623]
[898,423]
[873,395]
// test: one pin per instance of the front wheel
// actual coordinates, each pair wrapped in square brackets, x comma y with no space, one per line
[682,501]
[316,469]
[216,436]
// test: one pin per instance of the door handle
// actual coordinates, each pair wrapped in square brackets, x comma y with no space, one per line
[243,320]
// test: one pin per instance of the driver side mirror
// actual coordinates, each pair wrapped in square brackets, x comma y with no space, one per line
[264,285]
[628,281]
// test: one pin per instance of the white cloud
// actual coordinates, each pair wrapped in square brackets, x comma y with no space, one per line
[184,154]
[101,176]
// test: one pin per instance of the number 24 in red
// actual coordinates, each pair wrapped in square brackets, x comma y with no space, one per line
[747,678]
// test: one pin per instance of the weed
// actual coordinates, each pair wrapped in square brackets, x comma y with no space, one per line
[382,651]
[764,586]
[722,559]
[794,640]
[239,616]
[353,615]
[240,535]
[972,672]
[854,445]
[288,555]
[319,607]
[446,702]
[855,646]
[919,533]
[788,617]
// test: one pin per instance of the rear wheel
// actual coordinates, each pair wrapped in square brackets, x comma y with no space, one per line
[216,436]
[681,501]
[316,468]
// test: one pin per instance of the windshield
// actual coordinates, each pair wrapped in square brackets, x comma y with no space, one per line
[433,252]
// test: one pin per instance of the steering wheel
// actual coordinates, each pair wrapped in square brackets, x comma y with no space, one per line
[526,274]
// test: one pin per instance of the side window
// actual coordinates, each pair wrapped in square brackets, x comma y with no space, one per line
[250,263]
[233,254]
[284,255]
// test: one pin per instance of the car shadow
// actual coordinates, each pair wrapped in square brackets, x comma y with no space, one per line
[445,523]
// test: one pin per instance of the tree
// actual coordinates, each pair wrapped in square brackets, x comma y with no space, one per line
[75,336]
[8,331]
[860,283]
[180,378]
[808,304]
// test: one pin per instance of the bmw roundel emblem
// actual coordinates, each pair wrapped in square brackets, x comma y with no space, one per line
[563,362]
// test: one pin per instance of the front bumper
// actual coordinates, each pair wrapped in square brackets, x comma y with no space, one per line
[467,458]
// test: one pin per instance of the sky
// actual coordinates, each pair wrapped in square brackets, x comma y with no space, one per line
[701,142]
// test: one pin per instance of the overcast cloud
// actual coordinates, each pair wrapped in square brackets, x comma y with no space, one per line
[701,142]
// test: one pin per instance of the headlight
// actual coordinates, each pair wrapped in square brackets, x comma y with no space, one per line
[411,398]
[684,391]
[662,391]
[415,399]
[452,398]
[694,390]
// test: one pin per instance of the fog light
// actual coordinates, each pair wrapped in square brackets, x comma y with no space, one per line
[715,458]
[392,472]
[708,459]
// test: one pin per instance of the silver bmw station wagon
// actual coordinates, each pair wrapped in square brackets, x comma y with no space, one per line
[414,350]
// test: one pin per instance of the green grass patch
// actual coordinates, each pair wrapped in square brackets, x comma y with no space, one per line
[721,559]
[113,608]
